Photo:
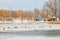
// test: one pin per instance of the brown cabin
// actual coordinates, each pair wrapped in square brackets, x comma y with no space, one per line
[49,19]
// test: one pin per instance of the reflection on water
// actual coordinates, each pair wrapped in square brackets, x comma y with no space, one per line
[30,33]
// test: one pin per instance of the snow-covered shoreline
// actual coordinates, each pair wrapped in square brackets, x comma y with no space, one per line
[29,26]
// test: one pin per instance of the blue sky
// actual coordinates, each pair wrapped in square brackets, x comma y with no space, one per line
[21,4]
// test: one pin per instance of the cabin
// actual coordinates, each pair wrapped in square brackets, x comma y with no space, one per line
[49,19]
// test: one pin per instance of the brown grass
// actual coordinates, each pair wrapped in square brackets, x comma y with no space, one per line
[53,22]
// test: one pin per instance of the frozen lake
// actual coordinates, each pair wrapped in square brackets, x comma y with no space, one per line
[31,35]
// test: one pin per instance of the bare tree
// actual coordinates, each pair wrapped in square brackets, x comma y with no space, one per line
[36,13]
[51,6]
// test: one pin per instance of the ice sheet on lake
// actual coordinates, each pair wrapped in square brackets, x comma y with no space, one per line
[31,35]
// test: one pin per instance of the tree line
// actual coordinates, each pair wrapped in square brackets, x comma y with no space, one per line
[50,9]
